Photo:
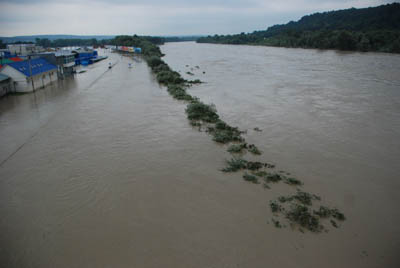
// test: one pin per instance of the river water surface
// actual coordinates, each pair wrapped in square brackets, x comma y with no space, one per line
[103,170]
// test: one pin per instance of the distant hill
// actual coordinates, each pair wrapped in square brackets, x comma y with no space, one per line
[52,37]
[366,29]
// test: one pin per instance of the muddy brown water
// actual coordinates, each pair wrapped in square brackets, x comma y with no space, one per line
[104,170]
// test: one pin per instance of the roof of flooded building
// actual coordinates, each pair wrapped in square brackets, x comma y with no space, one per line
[37,66]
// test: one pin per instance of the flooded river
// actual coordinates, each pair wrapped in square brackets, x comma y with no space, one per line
[103,170]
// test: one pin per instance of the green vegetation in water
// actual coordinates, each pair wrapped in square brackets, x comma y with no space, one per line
[275,206]
[237,148]
[302,197]
[292,181]
[179,92]
[253,149]
[276,223]
[197,110]
[325,212]
[236,164]
[296,208]
[224,133]
[300,214]
[250,178]
[196,81]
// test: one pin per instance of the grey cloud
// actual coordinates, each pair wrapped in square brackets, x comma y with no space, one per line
[157,17]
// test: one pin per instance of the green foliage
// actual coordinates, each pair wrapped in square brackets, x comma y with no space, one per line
[169,77]
[367,29]
[223,133]
[235,164]
[155,61]
[275,206]
[276,223]
[272,177]
[302,197]
[179,93]
[253,149]
[293,181]
[301,214]
[237,148]
[200,111]
[250,178]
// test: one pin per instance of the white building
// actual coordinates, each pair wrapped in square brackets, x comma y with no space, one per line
[27,76]
[24,49]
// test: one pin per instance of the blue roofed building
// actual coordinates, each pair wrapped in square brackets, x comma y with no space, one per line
[29,75]
[5,84]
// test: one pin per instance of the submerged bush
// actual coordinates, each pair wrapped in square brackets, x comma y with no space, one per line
[325,212]
[200,111]
[235,164]
[275,207]
[179,93]
[237,148]
[154,61]
[169,77]
[293,181]
[302,197]
[224,133]
[253,149]
[196,81]
[301,215]
[250,178]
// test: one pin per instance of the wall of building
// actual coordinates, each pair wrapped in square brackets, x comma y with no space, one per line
[5,87]
[18,79]
[21,83]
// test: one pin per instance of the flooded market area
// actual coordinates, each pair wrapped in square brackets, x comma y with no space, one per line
[104,170]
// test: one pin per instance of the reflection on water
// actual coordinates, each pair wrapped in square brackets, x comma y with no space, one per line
[112,175]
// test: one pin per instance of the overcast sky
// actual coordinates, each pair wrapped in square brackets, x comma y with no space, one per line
[157,17]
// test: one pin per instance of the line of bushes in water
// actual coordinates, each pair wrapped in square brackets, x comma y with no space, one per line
[296,209]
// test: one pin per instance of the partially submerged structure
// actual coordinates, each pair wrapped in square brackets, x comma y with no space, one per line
[24,49]
[5,84]
[29,75]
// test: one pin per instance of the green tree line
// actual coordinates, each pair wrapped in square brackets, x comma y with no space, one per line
[367,29]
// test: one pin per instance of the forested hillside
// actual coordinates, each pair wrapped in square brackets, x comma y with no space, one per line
[367,29]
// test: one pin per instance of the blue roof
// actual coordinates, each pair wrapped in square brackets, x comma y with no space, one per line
[38,66]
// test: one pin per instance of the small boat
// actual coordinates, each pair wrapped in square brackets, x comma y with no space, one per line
[129,65]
